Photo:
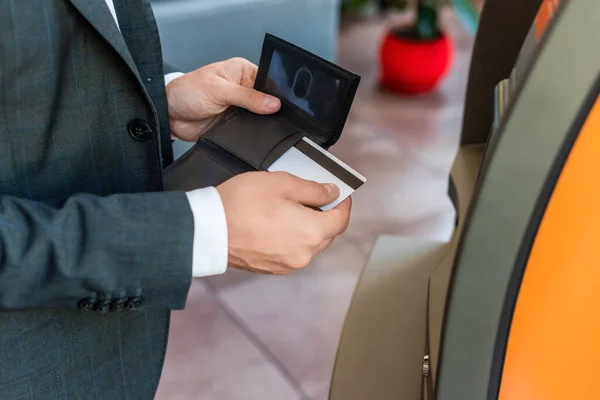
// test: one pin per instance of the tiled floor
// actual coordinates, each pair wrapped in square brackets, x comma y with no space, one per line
[251,337]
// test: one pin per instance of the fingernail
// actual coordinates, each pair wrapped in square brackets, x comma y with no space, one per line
[331,188]
[271,102]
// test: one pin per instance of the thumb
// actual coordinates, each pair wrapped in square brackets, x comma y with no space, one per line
[313,194]
[250,99]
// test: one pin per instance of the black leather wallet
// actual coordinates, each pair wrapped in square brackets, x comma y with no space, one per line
[316,97]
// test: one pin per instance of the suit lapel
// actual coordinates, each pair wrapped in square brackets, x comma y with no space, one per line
[96,12]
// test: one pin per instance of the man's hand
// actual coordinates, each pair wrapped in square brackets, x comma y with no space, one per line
[272,224]
[197,99]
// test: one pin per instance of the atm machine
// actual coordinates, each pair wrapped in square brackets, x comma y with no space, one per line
[509,308]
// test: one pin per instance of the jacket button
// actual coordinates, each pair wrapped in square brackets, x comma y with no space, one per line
[88,304]
[103,306]
[134,303]
[140,130]
[119,305]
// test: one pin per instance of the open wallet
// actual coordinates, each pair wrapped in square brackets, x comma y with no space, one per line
[316,96]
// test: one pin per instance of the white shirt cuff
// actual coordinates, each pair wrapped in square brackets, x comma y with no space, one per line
[172,76]
[210,248]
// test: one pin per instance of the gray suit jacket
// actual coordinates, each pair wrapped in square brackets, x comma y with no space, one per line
[92,254]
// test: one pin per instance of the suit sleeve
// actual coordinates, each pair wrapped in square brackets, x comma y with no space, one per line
[96,252]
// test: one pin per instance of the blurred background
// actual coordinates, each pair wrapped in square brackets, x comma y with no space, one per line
[249,337]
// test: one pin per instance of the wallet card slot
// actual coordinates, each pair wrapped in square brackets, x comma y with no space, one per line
[203,165]
[253,138]
[309,131]
[224,159]
[280,148]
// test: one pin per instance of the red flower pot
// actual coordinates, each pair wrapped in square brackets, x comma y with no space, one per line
[411,65]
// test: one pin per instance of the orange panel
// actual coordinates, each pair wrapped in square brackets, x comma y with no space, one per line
[553,349]
[544,16]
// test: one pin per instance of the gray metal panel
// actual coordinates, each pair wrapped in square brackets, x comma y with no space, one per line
[381,347]
[464,173]
[502,28]
[532,135]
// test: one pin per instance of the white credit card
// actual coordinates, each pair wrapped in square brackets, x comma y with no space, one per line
[308,160]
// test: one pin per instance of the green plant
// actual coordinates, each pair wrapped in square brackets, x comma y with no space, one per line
[425,25]
[352,6]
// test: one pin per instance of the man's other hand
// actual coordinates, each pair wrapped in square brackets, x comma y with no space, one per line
[197,99]
[273,226]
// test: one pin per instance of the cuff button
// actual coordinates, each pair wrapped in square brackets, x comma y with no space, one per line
[119,305]
[87,304]
[134,303]
[103,306]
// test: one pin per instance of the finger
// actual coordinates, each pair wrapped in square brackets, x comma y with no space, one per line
[335,221]
[249,71]
[190,131]
[254,270]
[240,70]
[265,268]
[248,98]
[310,193]
[345,205]
[266,271]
